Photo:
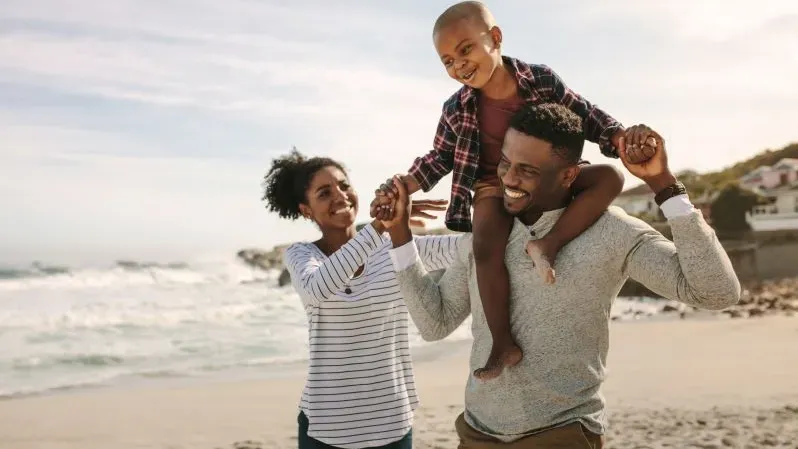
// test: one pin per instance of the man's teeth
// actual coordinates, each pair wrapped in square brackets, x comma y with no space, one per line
[343,211]
[513,193]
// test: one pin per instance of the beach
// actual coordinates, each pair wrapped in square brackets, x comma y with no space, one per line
[700,383]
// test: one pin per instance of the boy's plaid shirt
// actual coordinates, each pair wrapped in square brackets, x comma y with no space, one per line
[456,144]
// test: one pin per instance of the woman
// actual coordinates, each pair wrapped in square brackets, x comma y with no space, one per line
[359,391]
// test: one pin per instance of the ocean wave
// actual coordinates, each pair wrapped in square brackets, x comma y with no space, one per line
[35,270]
[71,327]
[124,273]
[83,360]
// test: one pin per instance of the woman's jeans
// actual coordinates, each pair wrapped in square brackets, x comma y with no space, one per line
[306,442]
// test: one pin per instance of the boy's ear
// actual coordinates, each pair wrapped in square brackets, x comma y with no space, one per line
[496,36]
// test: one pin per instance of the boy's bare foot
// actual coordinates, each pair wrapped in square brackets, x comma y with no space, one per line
[543,253]
[501,356]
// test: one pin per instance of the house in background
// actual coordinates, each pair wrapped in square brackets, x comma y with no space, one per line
[704,202]
[781,212]
[784,172]
[779,184]
[639,202]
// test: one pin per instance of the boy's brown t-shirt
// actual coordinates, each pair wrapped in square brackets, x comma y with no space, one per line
[494,119]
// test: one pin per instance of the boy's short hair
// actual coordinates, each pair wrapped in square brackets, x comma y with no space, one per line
[555,124]
[464,10]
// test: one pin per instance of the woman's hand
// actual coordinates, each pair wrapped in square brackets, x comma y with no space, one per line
[419,209]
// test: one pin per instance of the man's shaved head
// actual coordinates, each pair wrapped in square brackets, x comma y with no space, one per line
[470,10]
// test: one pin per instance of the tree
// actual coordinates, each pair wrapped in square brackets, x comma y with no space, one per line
[730,207]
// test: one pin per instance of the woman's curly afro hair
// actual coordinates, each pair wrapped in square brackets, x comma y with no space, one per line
[288,179]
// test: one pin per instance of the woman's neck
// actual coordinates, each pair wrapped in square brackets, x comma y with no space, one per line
[332,240]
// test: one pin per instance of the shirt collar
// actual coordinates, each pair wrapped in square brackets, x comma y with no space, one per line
[539,228]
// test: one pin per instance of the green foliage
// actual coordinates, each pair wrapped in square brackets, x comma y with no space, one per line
[720,179]
[730,207]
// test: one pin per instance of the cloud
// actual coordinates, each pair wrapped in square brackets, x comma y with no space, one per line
[146,126]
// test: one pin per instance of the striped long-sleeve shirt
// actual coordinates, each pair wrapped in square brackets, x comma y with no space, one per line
[360,390]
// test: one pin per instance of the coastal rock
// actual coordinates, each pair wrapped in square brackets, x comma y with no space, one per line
[263,259]
[284,279]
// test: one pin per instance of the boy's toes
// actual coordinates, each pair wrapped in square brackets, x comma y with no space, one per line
[541,262]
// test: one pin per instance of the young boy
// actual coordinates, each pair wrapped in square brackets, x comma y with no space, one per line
[468,142]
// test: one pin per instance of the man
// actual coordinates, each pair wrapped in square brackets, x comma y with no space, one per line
[552,398]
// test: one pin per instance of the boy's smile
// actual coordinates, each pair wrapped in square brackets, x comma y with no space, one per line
[469,51]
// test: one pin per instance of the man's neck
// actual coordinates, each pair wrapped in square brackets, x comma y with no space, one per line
[533,213]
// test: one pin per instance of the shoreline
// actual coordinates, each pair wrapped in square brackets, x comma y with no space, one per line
[722,372]
[424,353]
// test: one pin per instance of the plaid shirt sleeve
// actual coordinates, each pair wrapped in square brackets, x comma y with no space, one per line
[599,126]
[439,162]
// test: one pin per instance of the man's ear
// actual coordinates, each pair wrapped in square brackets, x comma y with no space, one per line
[570,174]
[496,36]
[305,211]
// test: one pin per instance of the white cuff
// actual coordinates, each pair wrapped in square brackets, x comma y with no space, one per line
[677,206]
[404,256]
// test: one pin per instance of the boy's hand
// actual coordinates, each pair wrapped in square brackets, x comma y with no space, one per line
[388,188]
[639,146]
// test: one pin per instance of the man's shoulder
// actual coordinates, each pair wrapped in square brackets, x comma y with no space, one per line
[615,221]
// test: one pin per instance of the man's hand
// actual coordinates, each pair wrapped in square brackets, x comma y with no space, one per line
[654,171]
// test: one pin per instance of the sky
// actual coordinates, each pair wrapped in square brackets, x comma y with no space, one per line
[142,129]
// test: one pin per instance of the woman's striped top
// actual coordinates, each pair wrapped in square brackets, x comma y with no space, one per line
[360,390]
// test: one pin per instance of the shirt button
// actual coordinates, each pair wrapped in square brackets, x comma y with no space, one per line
[348,291]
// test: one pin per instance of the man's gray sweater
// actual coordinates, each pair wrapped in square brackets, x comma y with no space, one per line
[563,329]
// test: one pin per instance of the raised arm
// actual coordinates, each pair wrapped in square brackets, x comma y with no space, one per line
[427,170]
[600,127]
[694,268]
[316,278]
[437,308]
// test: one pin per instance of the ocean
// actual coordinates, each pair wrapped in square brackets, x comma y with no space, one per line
[63,328]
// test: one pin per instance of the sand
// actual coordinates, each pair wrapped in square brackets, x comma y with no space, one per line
[679,384]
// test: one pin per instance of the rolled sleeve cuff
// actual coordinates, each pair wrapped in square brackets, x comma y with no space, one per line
[605,140]
[678,206]
[404,256]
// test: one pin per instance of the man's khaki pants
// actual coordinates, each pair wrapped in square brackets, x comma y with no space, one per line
[571,436]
